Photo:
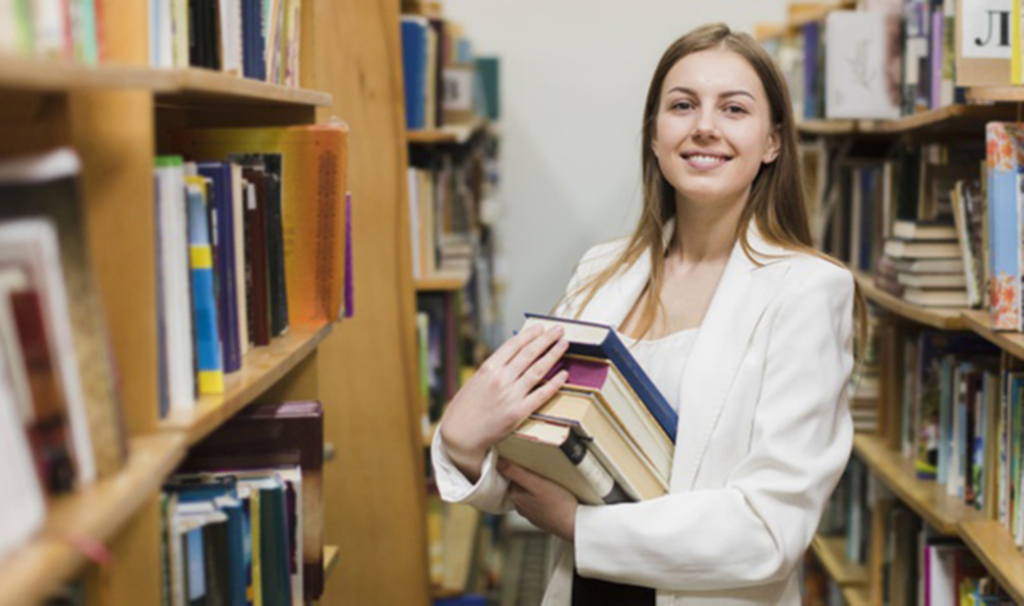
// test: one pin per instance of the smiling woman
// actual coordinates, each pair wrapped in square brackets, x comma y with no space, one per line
[721,256]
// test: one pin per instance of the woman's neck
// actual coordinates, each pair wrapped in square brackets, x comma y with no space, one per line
[708,230]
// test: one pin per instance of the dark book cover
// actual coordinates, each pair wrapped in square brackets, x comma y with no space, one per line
[274,569]
[216,564]
[275,245]
[256,258]
[221,203]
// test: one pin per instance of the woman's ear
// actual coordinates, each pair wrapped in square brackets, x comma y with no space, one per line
[772,151]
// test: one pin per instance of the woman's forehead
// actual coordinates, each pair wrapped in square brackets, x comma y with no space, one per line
[713,71]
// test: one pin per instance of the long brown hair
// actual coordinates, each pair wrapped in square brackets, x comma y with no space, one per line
[776,203]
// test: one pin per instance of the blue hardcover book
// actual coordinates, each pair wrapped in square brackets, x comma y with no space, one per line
[219,174]
[209,365]
[414,64]
[600,341]
[1004,143]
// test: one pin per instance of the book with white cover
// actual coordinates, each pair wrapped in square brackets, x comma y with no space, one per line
[948,281]
[936,298]
[855,66]
[929,266]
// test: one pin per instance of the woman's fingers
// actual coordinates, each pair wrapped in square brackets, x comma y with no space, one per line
[530,352]
[508,350]
[542,394]
[541,367]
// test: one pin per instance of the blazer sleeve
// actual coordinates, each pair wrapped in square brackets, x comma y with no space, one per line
[490,493]
[756,528]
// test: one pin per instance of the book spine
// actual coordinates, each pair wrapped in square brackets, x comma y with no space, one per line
[275,254]
[663,413]
[593,471]
[224,232]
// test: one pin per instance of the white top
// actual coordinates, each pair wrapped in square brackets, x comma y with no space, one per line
[664,360]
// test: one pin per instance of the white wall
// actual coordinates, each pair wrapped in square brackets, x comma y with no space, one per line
[574,74]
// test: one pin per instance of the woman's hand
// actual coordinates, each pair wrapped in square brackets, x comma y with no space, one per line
[500,395]
[547,505]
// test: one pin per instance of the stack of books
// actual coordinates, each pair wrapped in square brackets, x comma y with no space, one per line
[608,435]
[923,264]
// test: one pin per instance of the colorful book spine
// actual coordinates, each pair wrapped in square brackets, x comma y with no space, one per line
[209,364]
[1003,142]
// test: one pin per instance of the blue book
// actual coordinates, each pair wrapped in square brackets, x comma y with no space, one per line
[219,174]
[209,364]
[414,64]
[600,341]
[1004,143]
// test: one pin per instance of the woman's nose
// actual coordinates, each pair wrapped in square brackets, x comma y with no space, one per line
[706,126]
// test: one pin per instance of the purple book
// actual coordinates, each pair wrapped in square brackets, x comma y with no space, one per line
[350,297]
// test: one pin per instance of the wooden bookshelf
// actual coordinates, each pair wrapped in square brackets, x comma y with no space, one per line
[996,549]
[980,322]
[831,552]
[178,86]
[945,319]
[96,513]
[330,559]
[992,94]
[827,127]
[450,133]
[926,497]
[261,368]
[443,282]
[459,541]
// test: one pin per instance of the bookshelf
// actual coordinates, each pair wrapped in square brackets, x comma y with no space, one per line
[443,282]
[457,134]
[117,116]
[881,144]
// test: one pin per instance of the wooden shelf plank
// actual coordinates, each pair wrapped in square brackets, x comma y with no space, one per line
[459,539]
[450,133]
[958,118]
[857,595]
[443,282]
[200,86]
[995,548]
[261,368]
[827,127]
[991,94]
[980,322]
[925,497]
[176,86]
[330,560]
[831,552]
[945,319]
[95,513]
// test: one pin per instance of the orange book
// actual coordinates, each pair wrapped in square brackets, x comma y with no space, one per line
[314,179]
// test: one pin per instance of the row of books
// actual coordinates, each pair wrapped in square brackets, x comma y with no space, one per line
[257,39]
[64,30]
[60,415]
[253,238]
[921,566]
[897,57]
[243,515]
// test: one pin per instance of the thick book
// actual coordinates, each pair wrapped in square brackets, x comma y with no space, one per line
[552,450]
[917,249]
[275,435]
[209,363]
[600,341]
[175,318]
[601,379]
[590,419]
[46,186]
[258,281]
[414,63]
[924,230]
[275,246]
[1004,142]
[947,281]
[221,199]
[314,182]
[936,297]
[928,266]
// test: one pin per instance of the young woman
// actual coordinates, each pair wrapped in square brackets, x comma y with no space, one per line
[743,326]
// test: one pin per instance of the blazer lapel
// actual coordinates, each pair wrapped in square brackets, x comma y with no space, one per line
[740,299]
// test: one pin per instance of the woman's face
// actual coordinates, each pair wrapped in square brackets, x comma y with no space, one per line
[714,127]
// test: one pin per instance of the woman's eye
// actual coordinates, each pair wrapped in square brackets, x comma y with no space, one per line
[736,109]
[683,105]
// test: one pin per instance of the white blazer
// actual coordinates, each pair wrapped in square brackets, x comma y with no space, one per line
[764,435]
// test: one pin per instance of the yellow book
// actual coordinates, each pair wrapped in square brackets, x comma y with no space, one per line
[313,206]
[1015,41]
[255,593]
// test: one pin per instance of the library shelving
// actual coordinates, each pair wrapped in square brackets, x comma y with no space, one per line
[117,117]
[453,281]
[457,134]
[954,135]
[461,528]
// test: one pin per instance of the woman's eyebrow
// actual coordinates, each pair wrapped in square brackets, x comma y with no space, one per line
[729,93]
